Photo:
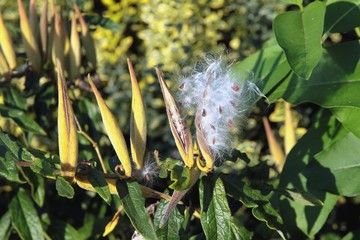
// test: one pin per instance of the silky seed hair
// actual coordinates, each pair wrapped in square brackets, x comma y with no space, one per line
[221,100]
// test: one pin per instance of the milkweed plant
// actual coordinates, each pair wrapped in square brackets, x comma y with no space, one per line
[209,187]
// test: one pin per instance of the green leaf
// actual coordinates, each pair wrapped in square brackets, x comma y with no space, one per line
[295,2]
[14,98]
[37,184]
[299,35]
[22,119]
[215,212]
[180,176]
[301,197]
[171,230]
[134,206]
[339,164]
[5,226]
[268,65]
[352,235]
[64,188]
[59,229]
[24,217]
[335,82]
[342,16]
[8,168]
[308,220]
[43,167]
[349,118]
[18,152]
[98,181]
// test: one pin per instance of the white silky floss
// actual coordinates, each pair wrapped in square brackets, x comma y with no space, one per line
[220,99]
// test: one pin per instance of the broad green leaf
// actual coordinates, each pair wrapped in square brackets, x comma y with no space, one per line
[64,188]
[134,206]
[215,212]
[308,220]
[342,16]
[269,66]
[301,197]
[299,35]
[5,225]
[98,181]
[171,230]
[22,119]
[24,217]
[349,118]
[37,184]
[334,82]
[337,166]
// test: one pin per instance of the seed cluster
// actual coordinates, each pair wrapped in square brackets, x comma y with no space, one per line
[219,99]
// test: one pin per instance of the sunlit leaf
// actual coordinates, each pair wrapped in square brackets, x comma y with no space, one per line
[64,188]
[134,206]
[299,34]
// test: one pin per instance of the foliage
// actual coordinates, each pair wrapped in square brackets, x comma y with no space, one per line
[96,186]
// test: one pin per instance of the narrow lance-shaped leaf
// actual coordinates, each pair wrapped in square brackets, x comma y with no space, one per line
[24,217]
[75,50]
[6,44]
[31,47]
[178,125]
[44,29]
[4,67]
[87,39]
[68,139]
[113,130]
[137,121]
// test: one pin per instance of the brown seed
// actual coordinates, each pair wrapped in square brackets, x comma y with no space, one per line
[203,113]
[236,88]
[231,123]
[181,87]
[213,141]
[212,126]
[220,110]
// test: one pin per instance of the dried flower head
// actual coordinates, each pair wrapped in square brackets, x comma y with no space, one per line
[220,100]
